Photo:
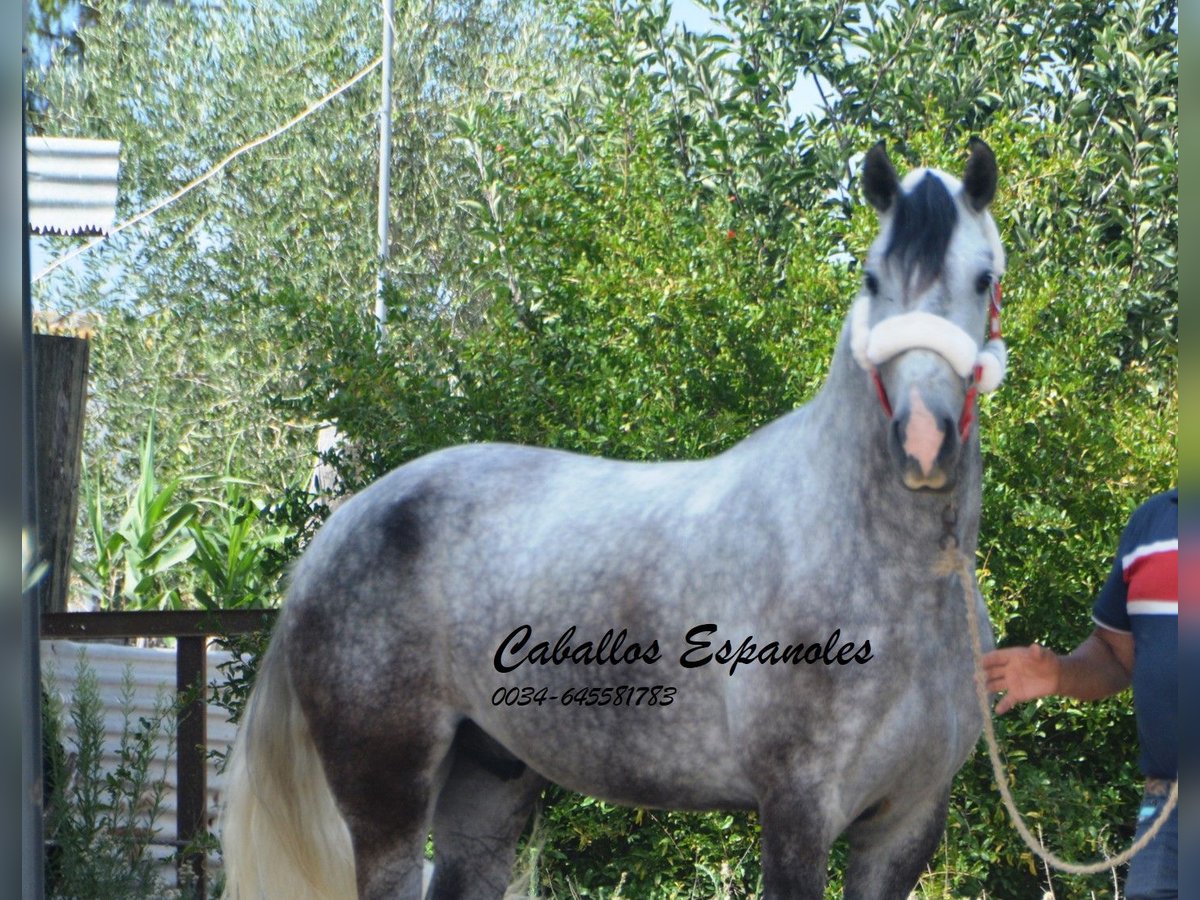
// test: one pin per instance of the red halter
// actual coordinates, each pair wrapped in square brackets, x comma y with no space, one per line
[968,411]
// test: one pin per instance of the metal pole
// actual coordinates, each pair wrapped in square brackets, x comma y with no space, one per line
[32,849]
[385,162]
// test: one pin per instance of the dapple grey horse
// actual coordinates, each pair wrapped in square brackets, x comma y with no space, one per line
[760,630]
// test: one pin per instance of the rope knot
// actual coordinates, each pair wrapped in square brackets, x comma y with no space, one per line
[947,562]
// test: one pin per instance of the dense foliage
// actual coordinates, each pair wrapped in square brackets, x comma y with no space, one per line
[645,253]
[189,331]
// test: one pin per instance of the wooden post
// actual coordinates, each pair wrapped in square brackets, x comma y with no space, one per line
[191,680]
[60,383]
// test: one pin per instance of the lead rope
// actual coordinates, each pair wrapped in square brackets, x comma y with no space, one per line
[953,562]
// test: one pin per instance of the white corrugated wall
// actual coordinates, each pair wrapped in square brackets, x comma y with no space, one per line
[153,672]
[72,184]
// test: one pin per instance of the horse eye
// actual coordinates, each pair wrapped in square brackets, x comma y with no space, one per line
[872,284]
[983,282]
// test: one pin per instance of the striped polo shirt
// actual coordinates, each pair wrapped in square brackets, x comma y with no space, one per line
[1141,597]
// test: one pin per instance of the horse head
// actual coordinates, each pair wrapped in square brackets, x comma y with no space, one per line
[930,295]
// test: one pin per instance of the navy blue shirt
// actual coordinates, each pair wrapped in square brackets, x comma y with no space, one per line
[1141,597]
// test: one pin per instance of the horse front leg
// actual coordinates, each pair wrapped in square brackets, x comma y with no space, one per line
[795,849]
[890,850]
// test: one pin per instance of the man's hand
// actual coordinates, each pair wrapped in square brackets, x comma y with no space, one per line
[1099,667]
[1022,673]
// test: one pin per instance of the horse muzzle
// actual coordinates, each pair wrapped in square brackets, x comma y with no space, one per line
[924,442]
[934,371]
[924,398]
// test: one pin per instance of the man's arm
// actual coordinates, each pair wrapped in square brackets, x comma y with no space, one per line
[1099,667]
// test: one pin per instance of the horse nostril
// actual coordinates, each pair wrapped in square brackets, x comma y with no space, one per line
[950,428]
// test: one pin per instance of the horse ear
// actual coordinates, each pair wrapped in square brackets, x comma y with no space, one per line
[979,177]
[880,181]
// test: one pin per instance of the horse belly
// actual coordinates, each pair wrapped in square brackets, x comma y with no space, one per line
[640,751]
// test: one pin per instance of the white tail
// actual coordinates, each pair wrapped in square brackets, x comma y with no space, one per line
[281,832]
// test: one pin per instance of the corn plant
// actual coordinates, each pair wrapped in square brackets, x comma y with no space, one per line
[237,549]
[131,566]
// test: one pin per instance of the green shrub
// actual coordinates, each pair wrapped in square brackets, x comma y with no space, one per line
[100,824]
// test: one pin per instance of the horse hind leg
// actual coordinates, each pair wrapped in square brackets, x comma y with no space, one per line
[890,848]
[479,816]
[385,759]
[385,791]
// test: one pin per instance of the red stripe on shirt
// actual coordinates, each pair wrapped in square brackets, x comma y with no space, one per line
[1154,577]
[1191,580]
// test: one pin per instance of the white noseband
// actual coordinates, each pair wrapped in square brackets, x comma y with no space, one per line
[924,331]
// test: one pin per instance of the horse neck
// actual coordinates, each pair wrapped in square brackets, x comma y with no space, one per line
[846,433]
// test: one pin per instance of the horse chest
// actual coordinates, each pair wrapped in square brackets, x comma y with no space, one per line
[911,700]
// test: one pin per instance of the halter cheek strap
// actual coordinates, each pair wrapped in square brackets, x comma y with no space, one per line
[924,331]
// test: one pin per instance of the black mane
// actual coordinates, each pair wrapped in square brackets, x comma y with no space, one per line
[925,219]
